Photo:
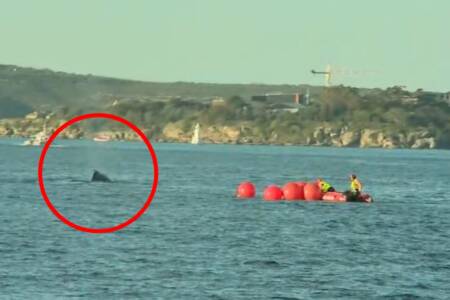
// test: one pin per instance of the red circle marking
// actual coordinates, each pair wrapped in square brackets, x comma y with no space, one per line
[140,212]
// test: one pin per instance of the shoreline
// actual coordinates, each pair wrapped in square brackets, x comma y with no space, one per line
[240,133]
[162,141]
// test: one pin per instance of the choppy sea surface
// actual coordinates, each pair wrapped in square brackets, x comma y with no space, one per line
[197,242]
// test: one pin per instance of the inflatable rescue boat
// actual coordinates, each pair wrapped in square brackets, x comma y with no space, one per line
[344,197]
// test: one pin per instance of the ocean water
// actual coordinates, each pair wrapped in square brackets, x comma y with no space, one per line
[197,242]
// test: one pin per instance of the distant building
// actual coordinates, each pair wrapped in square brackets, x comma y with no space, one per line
[409,99]
[296,98]
[33,116]
[434,96]
[446,97]
[259,98]
[290,110]
[217,101]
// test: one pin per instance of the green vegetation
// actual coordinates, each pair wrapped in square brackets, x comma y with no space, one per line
[26,89]
[335,107]
[152,106]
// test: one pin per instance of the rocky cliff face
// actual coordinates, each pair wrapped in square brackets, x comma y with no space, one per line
[321,136]
[372,138]
[242,134]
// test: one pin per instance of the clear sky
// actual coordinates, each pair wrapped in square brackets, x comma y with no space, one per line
[376,43]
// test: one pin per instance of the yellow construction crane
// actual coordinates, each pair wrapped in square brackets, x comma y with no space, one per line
[327,74]
[331,73]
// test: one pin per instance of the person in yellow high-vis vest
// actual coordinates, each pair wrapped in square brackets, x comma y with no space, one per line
[325,186]
[355,185]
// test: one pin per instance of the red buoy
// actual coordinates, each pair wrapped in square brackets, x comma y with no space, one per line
[301,185]
[292,191]
[312,192]
[273,193]
[246,189]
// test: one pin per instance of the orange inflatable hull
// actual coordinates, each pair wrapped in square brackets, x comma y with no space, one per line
[341,197]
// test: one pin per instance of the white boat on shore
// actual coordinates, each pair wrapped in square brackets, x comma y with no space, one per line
[39,139]
[102,138]
[196,136]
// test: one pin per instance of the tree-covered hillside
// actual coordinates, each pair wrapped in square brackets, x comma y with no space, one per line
[340,116]
[23,90]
